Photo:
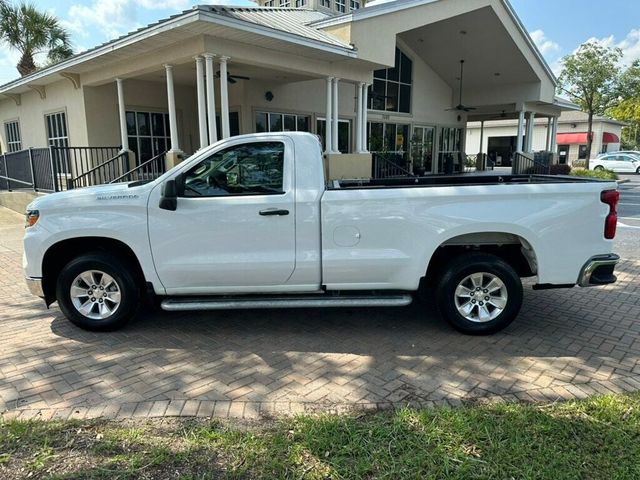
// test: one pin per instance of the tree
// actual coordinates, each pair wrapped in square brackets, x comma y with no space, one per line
[32,32]
[628,108]
[590,77]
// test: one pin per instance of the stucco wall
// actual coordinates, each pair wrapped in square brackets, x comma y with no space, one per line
[60,96]
[102,110]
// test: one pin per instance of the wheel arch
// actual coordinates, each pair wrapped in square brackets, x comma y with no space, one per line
[61,253]
[510,247]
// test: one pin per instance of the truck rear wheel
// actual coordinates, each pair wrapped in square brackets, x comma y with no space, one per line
[97,291]
[479,294]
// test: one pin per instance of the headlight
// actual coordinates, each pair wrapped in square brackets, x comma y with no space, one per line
[31,219]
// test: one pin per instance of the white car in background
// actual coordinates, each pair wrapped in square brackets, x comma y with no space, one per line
[618,162]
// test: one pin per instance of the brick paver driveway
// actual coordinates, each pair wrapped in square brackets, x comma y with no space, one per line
[244,363]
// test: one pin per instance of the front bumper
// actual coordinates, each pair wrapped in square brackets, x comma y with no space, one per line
[35,286]
[598,270]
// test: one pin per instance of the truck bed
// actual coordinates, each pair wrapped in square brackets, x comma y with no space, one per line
[455,180]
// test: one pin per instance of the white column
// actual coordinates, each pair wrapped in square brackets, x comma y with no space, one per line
[171,101]
[554,135]
[211,99]
[224,97]
[336,116]
[520,131]
[365,125]
[547,144]
[202,109]
[359,119]
[328,121]
[530,131]
[124,138]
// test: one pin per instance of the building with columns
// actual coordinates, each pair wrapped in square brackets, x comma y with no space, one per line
[568,140]
[384,78]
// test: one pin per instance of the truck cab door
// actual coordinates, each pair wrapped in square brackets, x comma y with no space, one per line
[233,229]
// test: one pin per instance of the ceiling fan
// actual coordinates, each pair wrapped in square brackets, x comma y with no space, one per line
[232,78]
[461,107]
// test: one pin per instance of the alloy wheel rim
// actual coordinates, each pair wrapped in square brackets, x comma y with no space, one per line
[481,297]
[95,294]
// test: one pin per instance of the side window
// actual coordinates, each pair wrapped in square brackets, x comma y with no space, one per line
[247,169]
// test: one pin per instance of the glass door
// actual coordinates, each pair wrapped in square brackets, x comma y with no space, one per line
[421,148]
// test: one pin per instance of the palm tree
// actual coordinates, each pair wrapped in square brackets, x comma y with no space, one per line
[31,32]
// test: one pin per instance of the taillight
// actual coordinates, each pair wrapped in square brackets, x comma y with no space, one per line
[610,197]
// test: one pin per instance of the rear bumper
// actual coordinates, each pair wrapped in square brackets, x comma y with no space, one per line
[35,286]
[598,270]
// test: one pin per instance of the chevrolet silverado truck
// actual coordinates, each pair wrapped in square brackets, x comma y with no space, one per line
[252,222]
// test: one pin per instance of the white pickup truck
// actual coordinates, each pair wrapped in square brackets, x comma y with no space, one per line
[251,222]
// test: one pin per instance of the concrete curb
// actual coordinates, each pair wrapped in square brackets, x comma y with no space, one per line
[624,180]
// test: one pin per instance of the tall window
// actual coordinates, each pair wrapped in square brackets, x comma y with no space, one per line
[57,135]
[281,122]
[285,3]
[269,3]
[355,4]
[344,133]
[341,6]
[301,3]
[325,3]
[149,134]
[391,89]
[12,131]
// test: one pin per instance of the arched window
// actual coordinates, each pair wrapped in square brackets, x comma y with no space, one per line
[391,89]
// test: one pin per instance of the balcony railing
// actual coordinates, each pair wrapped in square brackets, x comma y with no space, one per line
[387,165]
[528,164]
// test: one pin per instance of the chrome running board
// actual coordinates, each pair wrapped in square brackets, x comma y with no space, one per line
[181,304]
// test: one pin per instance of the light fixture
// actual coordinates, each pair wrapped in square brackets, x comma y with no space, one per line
[268,96]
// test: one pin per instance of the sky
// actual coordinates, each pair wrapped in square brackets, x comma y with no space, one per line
[557,26]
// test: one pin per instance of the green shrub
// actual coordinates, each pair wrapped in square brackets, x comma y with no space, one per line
[579,163]
[601,174]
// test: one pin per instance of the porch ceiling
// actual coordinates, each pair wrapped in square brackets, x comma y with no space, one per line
[185,74]
[480,39]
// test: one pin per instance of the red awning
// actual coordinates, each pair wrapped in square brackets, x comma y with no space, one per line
[572,138]
[581,138]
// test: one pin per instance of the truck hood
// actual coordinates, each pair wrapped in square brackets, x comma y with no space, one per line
[105,195]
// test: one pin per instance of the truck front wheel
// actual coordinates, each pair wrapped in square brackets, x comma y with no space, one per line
[97,291]
[479,294]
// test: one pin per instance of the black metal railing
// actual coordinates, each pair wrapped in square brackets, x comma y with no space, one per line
[77,160]
[527,164]
[386,165]
[102,173]
[27,169]
[149,170]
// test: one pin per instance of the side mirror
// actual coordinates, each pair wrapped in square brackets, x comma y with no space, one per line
[169,195]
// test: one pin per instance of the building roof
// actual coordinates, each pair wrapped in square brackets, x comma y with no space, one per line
[289,23]
[573,117]
[291,20]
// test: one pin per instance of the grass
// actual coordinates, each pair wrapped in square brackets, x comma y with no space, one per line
[601,174]
[598,438]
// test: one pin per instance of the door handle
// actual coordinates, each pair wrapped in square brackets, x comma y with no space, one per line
[273,211]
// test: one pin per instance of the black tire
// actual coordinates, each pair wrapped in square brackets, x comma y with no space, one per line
[638,170]
[125,282]
[599,168]
[458,271]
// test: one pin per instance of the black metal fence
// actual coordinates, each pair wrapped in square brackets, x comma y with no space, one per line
[388,165]
[27,169]
[529,164]
[149,170]
[60,168]
[102,173]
